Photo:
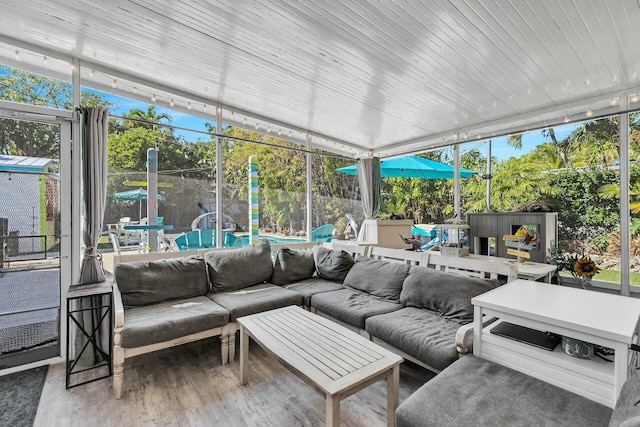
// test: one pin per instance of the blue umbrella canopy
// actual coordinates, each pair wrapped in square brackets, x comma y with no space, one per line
[137,195]
[413,167]
[134,195]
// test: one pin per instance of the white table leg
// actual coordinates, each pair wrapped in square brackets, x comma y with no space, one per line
[477,331]
[621,366]
[393,395]
[333,410]
[244,355]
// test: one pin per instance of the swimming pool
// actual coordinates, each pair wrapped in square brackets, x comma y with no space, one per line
[273,240]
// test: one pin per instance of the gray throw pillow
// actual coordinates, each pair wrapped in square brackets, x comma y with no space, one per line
[150,282]
[234,269]
[292,266]
[332,264]
[447,294]
[379,278]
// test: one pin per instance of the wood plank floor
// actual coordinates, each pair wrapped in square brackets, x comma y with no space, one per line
[188,386]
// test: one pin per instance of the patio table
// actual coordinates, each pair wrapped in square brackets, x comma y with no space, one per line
[148,227]
[332,359]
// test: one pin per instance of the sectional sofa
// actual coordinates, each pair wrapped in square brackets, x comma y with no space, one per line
[390,296]
[475,392]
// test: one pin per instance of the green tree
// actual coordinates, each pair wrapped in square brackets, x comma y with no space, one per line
[25,138]
[424,200]
[596,143]
[583,213]
[146,119]
[179,165]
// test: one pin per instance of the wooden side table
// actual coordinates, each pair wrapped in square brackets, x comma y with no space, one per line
[99,303]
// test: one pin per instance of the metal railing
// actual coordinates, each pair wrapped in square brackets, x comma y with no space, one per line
[15,255]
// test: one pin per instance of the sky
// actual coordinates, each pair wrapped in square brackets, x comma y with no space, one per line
[499,147]
[501,150]
[120,105]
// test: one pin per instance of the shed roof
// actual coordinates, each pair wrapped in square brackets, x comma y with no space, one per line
[22,164]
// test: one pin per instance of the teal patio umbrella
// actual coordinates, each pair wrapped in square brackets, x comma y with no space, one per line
[413,167]
[137,195]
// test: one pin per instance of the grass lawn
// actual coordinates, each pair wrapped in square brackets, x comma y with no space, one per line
[104,242]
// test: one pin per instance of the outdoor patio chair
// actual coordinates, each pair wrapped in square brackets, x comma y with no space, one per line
[193,240]
[230,240]
[207,238]
[117,249]
[324,233]
[132,237]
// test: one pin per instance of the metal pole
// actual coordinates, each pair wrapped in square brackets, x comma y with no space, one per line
[456,182]
[309,188]
[219,178]
[625,216]
[76,177]
[254,200]
[152,198]
[488,176]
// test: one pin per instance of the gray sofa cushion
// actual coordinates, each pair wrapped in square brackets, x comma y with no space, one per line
[150,282]
[351,306]
[447,294]
[169,320]
[474,392]
[382,279]
[292,265]
[627,411]
[255,299]
[332,264]
[238,268]
[310,287]
[419,333]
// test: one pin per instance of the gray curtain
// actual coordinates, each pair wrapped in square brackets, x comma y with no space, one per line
[94,124]
[369,178]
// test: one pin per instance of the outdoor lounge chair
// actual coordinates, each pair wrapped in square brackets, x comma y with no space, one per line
[204,239]
[324,233]
[230,240]
[190,240]
[117,249]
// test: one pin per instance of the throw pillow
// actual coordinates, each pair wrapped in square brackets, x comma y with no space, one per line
[446,294]
[332,264]
[379,278]
[292,266]
[234,269]
[150,282]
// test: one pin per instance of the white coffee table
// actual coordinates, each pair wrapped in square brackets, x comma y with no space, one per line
[595,317]
[333,360]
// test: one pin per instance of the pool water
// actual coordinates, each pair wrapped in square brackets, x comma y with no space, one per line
[273,240]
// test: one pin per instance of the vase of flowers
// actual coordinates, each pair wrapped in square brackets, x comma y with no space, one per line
[581,267]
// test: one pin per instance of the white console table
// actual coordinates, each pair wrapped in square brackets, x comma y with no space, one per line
[604,319]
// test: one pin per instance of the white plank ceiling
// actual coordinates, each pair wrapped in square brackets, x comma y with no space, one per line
[377,77]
